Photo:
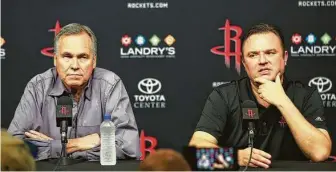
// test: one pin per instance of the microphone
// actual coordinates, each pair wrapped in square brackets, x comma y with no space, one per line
[64,120]
[64,116]
[250,117]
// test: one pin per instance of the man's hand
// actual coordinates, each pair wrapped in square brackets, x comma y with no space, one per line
[83,143]
[259,158]
[271,92]
[37,136]
[222,163]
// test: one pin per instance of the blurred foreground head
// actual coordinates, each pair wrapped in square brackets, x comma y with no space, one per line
[15,155]
[165,160]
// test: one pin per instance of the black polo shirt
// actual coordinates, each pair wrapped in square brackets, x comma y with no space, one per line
[222,118]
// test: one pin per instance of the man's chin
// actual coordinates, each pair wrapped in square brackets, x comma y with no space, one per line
[268,77]
[75,84]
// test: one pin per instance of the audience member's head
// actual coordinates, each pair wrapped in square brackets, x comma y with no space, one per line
[15,155]
[165,160]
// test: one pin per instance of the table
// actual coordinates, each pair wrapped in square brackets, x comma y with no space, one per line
[297,166]
[122,165]
[132,165]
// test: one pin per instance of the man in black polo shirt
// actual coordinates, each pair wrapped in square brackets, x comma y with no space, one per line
[291,125]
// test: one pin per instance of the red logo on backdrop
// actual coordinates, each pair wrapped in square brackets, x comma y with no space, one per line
[2,41]
[146,139]
[126,40]
[64,110]
[250,113]
[2,50]
[50,50]
[225,50]
[296,39]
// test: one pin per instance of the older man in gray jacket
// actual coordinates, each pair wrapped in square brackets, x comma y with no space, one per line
[95,92]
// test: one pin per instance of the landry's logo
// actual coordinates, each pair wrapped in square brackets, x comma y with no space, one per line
[225,50]
[49,51]
[142,47]
[312,45]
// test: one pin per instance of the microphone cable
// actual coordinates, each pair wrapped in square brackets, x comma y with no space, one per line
[60,158]
[249,161]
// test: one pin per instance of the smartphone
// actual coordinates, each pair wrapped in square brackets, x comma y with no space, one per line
[211,159]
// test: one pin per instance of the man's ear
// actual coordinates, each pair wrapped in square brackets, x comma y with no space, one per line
[286,57]
[55,60]
[243,61]
[94,61]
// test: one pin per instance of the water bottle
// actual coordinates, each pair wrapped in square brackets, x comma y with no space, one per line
[108,154]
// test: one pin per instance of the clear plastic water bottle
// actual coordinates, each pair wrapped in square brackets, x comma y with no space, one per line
[108,155]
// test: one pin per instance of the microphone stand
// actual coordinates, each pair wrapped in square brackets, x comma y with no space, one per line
[251,134]
[64,160]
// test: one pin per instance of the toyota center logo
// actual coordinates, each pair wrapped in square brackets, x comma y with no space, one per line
[149,86]
[322,84]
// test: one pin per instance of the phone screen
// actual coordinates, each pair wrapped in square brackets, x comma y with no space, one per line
[211,158]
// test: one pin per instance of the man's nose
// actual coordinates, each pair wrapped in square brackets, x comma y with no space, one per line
[75,64]
[262,59]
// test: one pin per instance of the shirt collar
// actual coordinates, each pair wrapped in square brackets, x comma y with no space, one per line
[88,88]
[58,88]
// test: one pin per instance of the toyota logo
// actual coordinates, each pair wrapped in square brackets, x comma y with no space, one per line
[149,86]
[322,84]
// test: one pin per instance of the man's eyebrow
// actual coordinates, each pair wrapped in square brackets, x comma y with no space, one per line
[273,49]
[66,54]
[82,55]
[253,52]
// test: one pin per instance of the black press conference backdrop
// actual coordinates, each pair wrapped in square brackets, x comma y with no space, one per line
[169,54]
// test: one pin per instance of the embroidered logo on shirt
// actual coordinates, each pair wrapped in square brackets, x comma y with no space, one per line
[318,119]
[282,122]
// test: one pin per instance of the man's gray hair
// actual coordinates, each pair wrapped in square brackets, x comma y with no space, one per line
[74,29]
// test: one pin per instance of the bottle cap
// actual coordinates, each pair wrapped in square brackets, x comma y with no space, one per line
[107,117]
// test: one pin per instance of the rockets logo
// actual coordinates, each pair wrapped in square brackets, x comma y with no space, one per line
[49,51]
[225,50]
[250,113]
[64,110]
[282,122]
